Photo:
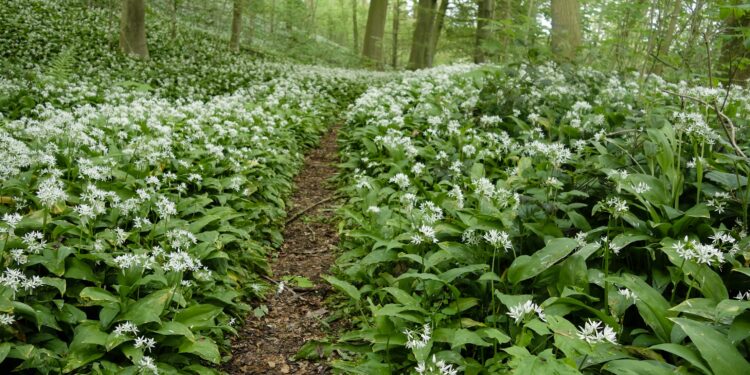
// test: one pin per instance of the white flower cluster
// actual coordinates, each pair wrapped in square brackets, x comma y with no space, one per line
[593,333]
[498,239]
[16,280]
[435,367]
[418,340]
[522,310]
[701,253]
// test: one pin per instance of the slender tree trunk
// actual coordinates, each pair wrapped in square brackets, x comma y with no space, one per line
[133,28]
[251,27]
[484,15]
[668,36]
[733,50]
[696,19]
[531,18]
[504,17]
[566,29]
[422,30]
[373,44]
[234,40]
[173,19]
[396,22]
[313,6]
[273,16]
[436,30]
[354,26]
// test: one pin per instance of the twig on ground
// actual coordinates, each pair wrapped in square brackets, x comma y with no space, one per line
[310,207]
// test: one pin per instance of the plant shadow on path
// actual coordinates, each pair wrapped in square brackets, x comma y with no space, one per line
[268,344]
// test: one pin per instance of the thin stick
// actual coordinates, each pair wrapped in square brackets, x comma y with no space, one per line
[310,207]
[724,120]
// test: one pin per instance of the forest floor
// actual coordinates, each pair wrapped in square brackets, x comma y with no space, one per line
[267,345]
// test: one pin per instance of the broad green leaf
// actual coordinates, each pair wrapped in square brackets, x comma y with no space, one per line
[715,348]
[652,306]
[526,267]
[198,316]
[685,353]
[638,367]
[203,347]
[4,350]
[175,329]
[147,309]
[345,287]
[98,296]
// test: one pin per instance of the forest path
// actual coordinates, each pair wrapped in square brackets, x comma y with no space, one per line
[268,344]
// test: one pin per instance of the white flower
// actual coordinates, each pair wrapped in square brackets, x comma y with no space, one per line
[51,191]
[470,237]
[124,328]
[484,187]
[373,209]
[640,188]
[417,169]
[498,239]
[180,261]
[401,180]
[593,333]
[145,342]
[519,312]
[431,213]
[628,294]
[458,195]
[165,208]
[147,364]
[11,220]
[7,319]
[417,340]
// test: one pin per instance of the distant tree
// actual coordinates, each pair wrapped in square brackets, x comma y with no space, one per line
[668,35]
[485,12]
[437,29]
[133,28]
[373,44]
[422,34]
[173,19]
[234,40]
[566,29]
[735,55]
[395,27]
[355,27]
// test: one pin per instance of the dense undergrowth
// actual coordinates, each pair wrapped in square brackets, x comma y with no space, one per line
[525,219]
[139,199]
[539,220]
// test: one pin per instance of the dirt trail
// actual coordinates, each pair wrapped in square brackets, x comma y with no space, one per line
[266,345]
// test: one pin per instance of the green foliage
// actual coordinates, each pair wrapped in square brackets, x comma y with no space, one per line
[533,219]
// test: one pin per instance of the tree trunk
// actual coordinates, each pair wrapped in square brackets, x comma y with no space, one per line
[733,49]
[504,18]
[173,19]
[133,28]
[396,21]
[566,29]
[273,16]
[313,6]
[436,30]
[668,36]
[373,44]
[421,39]
[485,10]
[234,40]
[354,26]
[531,19]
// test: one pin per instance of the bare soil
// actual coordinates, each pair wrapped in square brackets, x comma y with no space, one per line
[267,345]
